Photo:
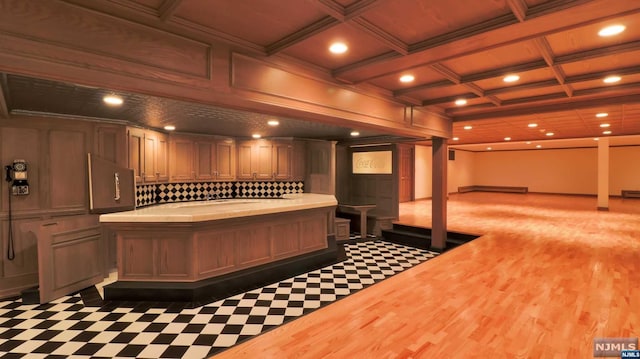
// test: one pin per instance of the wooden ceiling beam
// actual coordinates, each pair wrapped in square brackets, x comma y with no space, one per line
[527,86]
[360,7]
[317,27]
[382,36]
[447,73]
[632,70]
[448,99]
[472,40]
[568,104]
[518,8]
[522,67]
[599,52]
[331,8]
[605,89]
[422,87]
[546,51]
[168,8]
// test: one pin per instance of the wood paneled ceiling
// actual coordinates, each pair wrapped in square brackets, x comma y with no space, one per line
[455,49]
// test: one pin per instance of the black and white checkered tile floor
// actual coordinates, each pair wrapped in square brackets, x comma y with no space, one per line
[66,327]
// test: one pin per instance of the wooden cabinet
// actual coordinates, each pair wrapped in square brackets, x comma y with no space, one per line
[182,157]
[225,159]
[148,155]
[281,160]
[255,160]
[214,159]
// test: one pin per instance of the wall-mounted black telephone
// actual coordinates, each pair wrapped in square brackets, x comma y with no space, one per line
[18,174]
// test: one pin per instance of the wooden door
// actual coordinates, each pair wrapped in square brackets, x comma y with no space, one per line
[162,157]
[150,160]
[406,174]
[181,158]
[263,165]
[245,158]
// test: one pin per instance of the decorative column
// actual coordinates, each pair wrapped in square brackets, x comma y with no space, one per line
[603,174]
[439,194]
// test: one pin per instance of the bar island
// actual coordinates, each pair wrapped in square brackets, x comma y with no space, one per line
[205,250]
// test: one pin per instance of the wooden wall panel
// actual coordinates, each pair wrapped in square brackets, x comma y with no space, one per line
[74,260]
[110,143]
[138,256]
[22,143]
[313,235]
[25,247]
[254,246]
[102,36]
[285,238]
[175,256]
[216,252]
[68,169]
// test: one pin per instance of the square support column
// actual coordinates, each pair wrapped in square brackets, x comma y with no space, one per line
[603,174]
[439,194]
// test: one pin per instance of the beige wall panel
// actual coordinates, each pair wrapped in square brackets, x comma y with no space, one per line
[624,169]
[461,171]
[572,171]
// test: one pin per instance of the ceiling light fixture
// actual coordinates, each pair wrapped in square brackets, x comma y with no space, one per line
[528,142]
[596,139]
[611,79]
[538,146]
[606,132]
[604,125]
[256,135]
[488,148]
[532,125]
[169,127]
[355,133]
[511,78]
[407,78]
[467,127]
[456,138]
[507,138]
[550,134]
[112,100]
[611,30]
[461,102]
[338,48]
[601,114]
[273,122]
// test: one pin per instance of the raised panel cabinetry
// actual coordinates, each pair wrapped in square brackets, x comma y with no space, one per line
[281,160]
[214,159]
[182,157]
[148,155]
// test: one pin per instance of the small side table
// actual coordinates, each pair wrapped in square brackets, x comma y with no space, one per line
[362,209]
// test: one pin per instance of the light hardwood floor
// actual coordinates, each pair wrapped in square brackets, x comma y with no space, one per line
[548,275]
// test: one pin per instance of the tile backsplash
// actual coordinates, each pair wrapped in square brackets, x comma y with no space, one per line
[148,194]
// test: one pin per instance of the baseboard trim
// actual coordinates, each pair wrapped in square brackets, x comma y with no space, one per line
[605,209]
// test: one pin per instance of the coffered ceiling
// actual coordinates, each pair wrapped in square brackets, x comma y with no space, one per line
[454,49]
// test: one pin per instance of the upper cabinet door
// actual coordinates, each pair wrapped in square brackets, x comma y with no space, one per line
[282,160]
[205,156]
[225,160]
[150,160]
[136,152]
[162,157]
[298,160]
[245,159]
[181,159]
[263,165]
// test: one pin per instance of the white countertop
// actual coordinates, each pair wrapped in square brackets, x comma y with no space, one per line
[200,211]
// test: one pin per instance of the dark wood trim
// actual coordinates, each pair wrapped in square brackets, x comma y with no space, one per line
[306,32]
[4,109]
[547,53]
[599,52]
[422,87]
[553,6]
[331,8]
[604,209]
[518,8]
[382,36]
[527,86]
[378,59]
[168,8]
[505,189]
[627,193]
[522,67]
[360,7]
[446,72]
[551,96]
[631,70]
[609,88]
[441,100]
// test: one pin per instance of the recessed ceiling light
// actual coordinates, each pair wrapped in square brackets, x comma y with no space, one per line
[538,146]
[603,125]
[611,30]
[596,139]
[112,100]
[338,48]
[355,133]
[407,78]
[528,142]
[611,79]
[532,125]
[507,138]
[511,78]
[169,127]
[488,148]
[456,138]
[602,114]
[256,135]
[550,134]
[461,102]
[606,132]
[273,122]
[467,127]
